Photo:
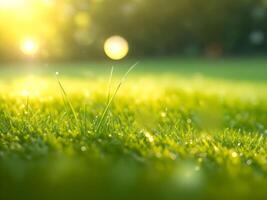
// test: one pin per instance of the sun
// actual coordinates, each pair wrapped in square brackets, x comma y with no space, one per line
[29,46]
[116,47]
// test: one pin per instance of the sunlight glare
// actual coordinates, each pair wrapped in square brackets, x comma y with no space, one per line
[25,93]
[9,4]
[116,47]
[29,46]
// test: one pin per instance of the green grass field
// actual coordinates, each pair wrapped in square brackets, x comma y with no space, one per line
[176,129]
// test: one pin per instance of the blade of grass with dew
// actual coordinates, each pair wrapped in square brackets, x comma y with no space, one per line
[113,96]
[110,85]
[65,97]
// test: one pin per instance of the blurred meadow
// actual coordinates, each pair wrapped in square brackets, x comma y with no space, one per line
[133,99]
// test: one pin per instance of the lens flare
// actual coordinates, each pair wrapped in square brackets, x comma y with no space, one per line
[116,47]
[29,47]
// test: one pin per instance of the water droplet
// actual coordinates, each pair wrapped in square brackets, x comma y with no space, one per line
[249,162]
[163,114]
[149,137]
[83,148]
[234,154]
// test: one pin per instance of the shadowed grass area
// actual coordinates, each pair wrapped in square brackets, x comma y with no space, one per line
[174,130]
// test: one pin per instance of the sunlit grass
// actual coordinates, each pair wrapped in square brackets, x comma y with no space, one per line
[162,136]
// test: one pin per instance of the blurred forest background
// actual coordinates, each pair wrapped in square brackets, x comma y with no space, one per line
[77,29]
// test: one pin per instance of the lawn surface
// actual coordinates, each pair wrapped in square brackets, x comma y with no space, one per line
[175,129]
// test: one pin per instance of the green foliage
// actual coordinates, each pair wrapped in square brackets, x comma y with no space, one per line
[155,142]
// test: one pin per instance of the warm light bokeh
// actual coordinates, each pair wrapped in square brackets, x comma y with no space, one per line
[116,47]
[29,46]
[9,4]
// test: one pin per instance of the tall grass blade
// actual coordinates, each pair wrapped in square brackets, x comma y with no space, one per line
[66,98]
[110,83]
[113,96]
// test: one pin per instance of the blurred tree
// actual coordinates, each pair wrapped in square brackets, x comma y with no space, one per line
[77,29]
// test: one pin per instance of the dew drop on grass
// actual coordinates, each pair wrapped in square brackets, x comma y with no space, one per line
[249,162]
[163,114]
[234,154]
[149,137]
[83,148]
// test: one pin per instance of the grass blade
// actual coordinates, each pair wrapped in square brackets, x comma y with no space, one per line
[113,96]
[110,83]
[66,98]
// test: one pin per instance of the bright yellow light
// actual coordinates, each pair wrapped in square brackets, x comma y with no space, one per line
[25,93]
[9,4]
[116,47]
[29,46]
[48,2]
